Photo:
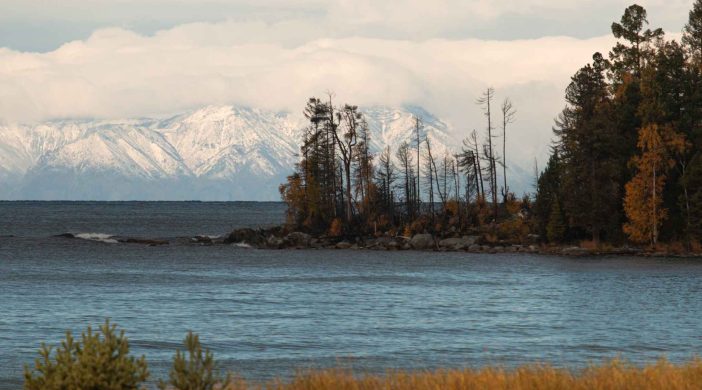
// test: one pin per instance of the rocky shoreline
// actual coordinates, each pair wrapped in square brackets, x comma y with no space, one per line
[278,239]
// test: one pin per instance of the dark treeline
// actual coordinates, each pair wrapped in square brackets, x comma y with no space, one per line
[341,188]
[626,164]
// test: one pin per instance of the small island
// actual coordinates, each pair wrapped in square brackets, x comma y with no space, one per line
[624,175]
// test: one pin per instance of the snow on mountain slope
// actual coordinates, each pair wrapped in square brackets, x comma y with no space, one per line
[127,150]
[220,142]
[213,153]
[389,126]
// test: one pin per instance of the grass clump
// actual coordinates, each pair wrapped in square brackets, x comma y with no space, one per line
[612,375]
[101,360]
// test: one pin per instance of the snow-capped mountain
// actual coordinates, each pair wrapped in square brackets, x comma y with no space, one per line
[214,153]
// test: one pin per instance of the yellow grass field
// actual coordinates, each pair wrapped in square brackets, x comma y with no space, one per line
[615,374]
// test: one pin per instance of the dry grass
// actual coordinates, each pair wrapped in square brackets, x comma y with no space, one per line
[612,375]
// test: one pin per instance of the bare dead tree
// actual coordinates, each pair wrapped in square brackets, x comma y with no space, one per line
[405,159]
[476,156]
[351,118]
[386,180]
[485,101]
[430,174]
[508,115]
[417,125]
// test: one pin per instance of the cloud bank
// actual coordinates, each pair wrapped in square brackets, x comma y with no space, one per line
[274,54]
[118,73]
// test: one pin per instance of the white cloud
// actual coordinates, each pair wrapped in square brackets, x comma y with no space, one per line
[119,73]
[275,53]
[116,72]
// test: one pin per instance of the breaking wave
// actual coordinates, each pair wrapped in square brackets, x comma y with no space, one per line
[99,237]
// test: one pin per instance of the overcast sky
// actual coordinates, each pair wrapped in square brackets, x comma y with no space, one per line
[119,58]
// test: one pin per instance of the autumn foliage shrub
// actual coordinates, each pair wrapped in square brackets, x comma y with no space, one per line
[336,228]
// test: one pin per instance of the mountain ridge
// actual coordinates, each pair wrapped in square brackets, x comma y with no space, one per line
[210,153]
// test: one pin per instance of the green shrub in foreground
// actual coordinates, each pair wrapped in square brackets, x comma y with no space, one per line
[197,371]
[100,360]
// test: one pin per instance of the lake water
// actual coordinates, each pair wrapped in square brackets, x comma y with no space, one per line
[268,313]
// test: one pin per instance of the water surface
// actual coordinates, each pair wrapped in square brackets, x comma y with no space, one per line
[268,313]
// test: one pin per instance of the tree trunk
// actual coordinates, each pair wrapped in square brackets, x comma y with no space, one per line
[347,169]
[419,174]
[655,222]
[504,161]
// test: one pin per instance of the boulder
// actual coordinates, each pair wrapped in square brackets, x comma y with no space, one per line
[449,241]
[274,242]
[470,240]
[422,241]
[316,243]
[299,239]
[248,236]
[474,248]
[392,245]
[575,251]
[458,244]
[143,241]
[452,244]
[533,238]
[343,245]
[383,241]
[204,240]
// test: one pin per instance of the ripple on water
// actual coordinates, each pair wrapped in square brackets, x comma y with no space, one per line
[268,313]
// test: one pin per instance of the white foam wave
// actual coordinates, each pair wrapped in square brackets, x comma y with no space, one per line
[100,237]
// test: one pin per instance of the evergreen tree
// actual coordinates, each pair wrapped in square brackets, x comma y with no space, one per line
[547,193]
[555,229]
[693,203]
[627,60]
[100,360]
[631,128]
[631,58]
[692,33]
[666,101]
[194,371]
[592,159]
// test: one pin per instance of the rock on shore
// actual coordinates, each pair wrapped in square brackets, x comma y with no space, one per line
[278,238]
